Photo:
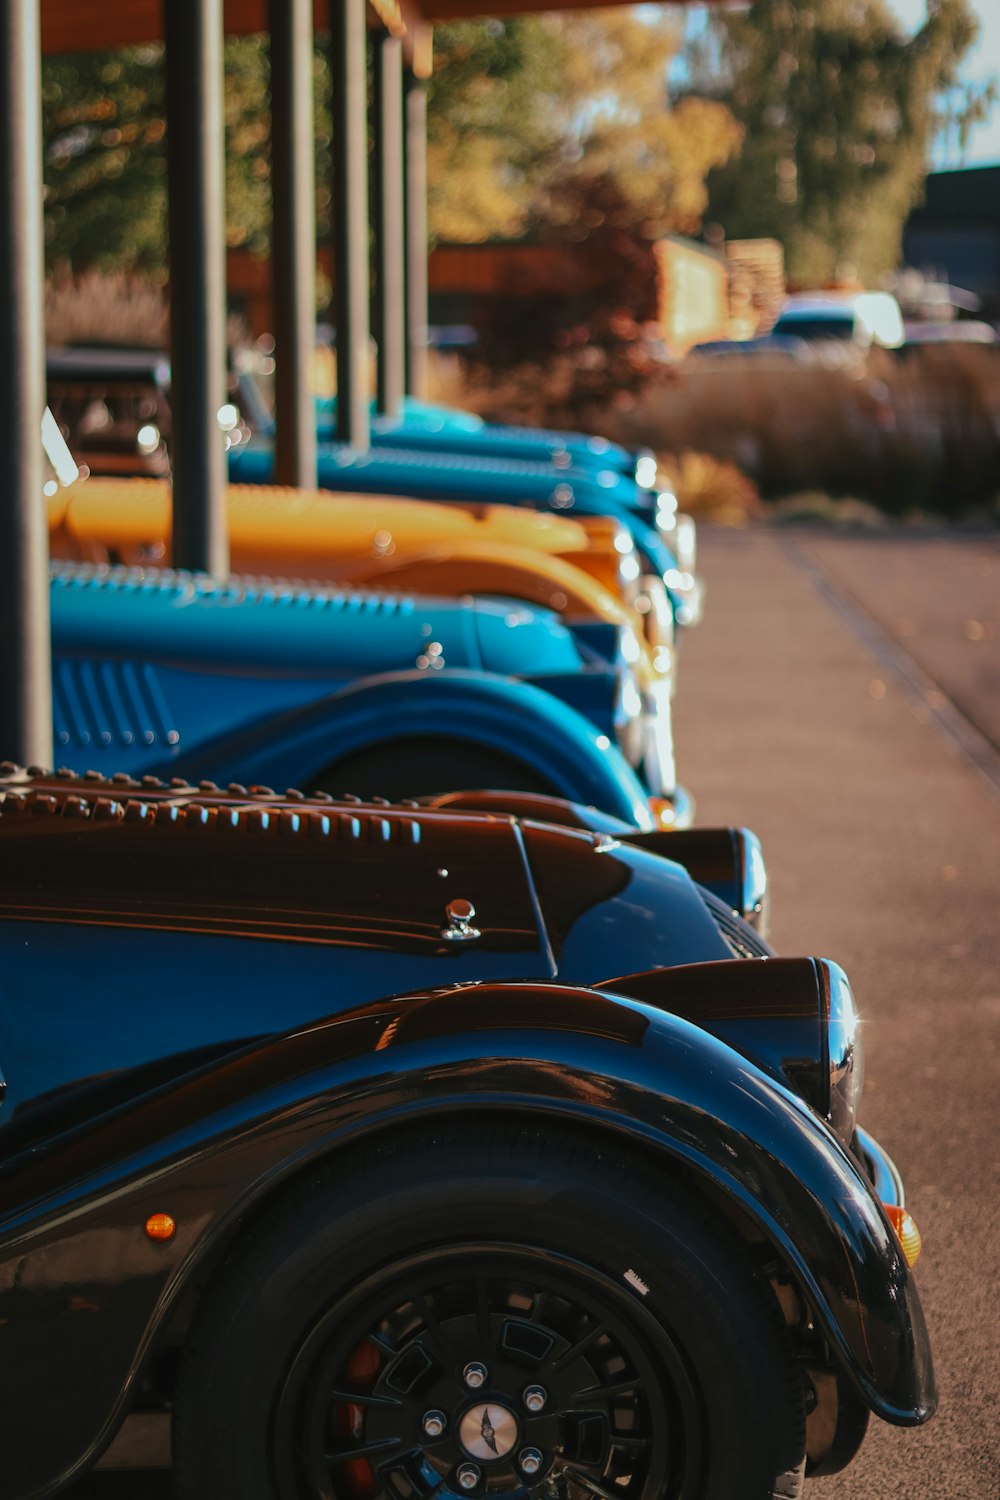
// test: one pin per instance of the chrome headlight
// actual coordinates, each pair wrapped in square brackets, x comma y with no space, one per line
[645,470]
[666,516]
[658,622]
[659,765]
[629,719]
[629,571]
[686,543]
[845,1056]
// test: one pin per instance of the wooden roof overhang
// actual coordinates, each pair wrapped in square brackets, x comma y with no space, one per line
[93,25]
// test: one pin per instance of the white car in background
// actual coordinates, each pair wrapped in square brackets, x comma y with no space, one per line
[858,318]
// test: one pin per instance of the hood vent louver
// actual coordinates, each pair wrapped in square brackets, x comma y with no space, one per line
[179,587]
[260,815]
[739,935]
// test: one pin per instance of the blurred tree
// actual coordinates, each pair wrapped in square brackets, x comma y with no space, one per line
[558,129]
[520,108]
[105,156]
[105,165]
[490,132]
[839,109]
[615,124]
[247,114]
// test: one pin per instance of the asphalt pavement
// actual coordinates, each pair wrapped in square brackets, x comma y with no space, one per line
[842,698]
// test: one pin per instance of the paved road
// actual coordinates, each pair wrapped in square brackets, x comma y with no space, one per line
[880,817]
[817,706]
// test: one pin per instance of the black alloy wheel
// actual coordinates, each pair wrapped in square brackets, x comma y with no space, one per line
[487,1369]
[488,1313]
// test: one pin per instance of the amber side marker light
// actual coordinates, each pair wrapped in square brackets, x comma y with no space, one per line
[663,812]
[906,1231]
[163,1227]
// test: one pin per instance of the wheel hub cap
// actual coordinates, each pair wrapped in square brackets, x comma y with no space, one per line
[488,1431]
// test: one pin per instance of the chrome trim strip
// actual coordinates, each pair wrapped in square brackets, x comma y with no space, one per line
[881,1168]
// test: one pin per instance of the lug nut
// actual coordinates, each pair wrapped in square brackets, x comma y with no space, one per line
[530,1460]
[534,1397]
[434,1423]
[475,1375]
[468,1476]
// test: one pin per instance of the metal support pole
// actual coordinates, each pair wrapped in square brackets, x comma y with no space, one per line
[416,237]
[196,214]
[293,240]
[25,674]
[350,217]
[390,254]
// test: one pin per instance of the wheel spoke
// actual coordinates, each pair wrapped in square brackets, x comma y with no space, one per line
[483,1311]
[435,1333]
[539,1303]
[363,1450]
[604,1392]
[614,1440]
[628,1444]
[364,1398]
[580,1347]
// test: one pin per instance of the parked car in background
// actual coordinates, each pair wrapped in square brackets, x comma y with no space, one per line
[436,428]
[377,694]
[953,331]
[858,318]
[445,1151]
[112,406]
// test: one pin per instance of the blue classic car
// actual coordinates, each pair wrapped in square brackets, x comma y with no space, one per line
[372,1151]
[424,426]
[565,450]
[173,674]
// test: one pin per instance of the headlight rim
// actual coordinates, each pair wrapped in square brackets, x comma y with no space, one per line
[843,1049]
[629,715]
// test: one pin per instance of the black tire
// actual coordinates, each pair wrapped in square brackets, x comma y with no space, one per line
[421,766]
[351,1313]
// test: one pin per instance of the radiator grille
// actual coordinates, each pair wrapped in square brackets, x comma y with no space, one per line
[740,936]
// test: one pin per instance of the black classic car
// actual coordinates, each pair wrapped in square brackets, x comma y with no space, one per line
[403,1151]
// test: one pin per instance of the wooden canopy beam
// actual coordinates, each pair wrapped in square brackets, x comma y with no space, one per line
[95,26]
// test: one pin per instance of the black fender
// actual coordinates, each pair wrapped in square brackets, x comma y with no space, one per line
[84,1293]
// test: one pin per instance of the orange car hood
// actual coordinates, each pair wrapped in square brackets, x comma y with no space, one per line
[288,530]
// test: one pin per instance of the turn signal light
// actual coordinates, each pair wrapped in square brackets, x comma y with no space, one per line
[664,815]
[160,1227]
[906,1231]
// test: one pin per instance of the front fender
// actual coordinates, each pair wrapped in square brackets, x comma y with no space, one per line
[505,714]
[83,1292]
[495,568]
